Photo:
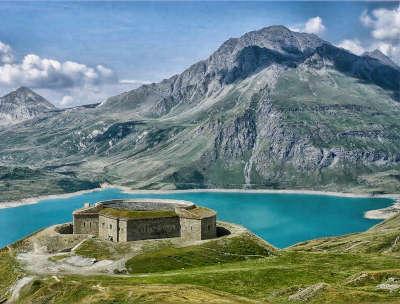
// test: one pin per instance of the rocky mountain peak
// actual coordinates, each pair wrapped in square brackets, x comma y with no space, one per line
[273,47]
[377,54]
[277,38]
[22,104]
[26,95]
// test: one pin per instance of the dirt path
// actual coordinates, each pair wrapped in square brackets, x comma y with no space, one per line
[41,262]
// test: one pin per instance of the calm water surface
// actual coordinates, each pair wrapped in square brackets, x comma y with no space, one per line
[281,219]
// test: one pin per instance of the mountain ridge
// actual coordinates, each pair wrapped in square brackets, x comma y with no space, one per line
[238,58]
[377,54]
[271,109]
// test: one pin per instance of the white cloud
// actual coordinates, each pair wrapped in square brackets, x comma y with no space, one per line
[134,81]
[66,83]
[70,97]
[314,26]
[385,33]
[352,45]
[66,101]
[385,23]
[36,72]
[6,53]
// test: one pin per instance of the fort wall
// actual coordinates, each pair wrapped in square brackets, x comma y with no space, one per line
[187,221]
[190,229]
[208,228]
[155,228]
[109,228]
[86,224]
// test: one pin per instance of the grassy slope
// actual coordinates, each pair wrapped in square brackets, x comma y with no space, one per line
[383,238]
[9,272]
[326,108]
[215,252]
[197,274]
[266,280]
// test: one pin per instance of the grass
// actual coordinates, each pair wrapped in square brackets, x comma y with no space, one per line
[215,252]
[92,248]
[9,272]
[106,291]
[56,258]
[100,250]
[137,214]
[265,280]
[241,269]
[383,238]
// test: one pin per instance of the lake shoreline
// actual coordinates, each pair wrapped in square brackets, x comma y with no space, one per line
[35,200]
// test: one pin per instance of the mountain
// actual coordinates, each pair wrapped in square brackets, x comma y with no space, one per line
[22,104]
[271,109]
[378,55]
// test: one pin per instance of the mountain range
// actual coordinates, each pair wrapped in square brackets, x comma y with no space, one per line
[271,109]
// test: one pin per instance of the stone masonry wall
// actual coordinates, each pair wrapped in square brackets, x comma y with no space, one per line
[208,228]
[158,228]
[123,229]
[190,229]
[86,224]
[108,228]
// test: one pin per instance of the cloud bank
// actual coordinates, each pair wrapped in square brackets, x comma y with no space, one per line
[36,72]
[385,33]
[385,24]
[68,82]
[352,45]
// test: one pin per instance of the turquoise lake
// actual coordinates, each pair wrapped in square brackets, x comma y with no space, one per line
[281,219]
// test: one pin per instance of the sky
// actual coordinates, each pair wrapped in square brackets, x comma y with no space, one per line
[76,53]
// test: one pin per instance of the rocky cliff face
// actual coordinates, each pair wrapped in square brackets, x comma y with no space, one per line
[273,108]
[22,104]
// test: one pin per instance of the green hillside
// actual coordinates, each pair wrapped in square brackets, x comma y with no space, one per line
[357,268]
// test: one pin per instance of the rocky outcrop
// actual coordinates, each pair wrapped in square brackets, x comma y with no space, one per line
[235,140]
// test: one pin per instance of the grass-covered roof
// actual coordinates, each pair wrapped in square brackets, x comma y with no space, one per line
[137,214]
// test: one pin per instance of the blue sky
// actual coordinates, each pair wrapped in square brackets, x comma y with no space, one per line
[114,46]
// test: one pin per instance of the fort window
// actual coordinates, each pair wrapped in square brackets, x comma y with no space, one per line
[209,227]
[110,226]
[84,224]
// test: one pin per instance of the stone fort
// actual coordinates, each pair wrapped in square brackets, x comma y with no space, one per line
[141,219]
